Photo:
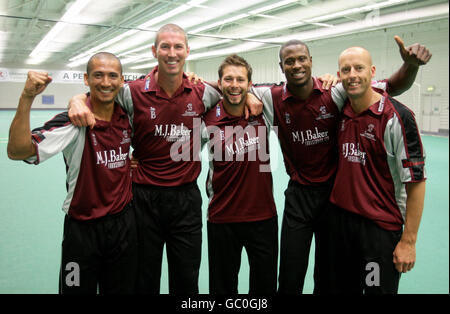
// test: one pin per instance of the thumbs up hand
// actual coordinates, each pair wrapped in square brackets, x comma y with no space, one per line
[415,54]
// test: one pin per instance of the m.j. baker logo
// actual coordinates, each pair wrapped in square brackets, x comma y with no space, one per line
[243,145]
[112,159]
[353,153]
[173,132]
[310,137]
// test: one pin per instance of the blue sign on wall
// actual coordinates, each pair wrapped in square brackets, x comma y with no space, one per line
[48,99]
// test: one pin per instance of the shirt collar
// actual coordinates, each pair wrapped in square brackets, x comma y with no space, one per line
[222,115]
[151,85]
[376,108]
[118,113]
[317,85]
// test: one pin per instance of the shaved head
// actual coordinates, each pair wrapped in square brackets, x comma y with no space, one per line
[356,72]
[356,51]
[104,56]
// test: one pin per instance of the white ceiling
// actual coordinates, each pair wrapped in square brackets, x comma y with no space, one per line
[64,33]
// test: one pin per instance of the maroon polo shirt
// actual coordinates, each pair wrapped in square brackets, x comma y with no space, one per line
[161,124]
[307,133]
[97,162]
[380,151]
[239,184]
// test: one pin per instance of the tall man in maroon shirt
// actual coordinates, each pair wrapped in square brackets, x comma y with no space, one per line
[307,115]
[379,186]
[167,198]
[99,250]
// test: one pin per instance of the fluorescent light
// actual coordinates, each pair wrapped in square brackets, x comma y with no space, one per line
[180,9]
[229,20]
[97,48]
[145,47]
[270,17]
[227,51]
[68,17]
[206,45]
[383,21]
[244,15]
[271,6]
[49,37]
[145,66]
[35,61]
[166,16]
[135,59]
[366,8]
[285,26]
[318,20]
[78,62]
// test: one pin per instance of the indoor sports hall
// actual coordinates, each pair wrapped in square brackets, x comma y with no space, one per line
[59,36]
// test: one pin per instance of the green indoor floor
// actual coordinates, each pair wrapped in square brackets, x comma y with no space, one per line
[31,221]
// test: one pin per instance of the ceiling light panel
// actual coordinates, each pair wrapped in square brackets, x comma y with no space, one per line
[214,11]
[398,18]
[132,35]
[128,27]
[84,12]
[199,12]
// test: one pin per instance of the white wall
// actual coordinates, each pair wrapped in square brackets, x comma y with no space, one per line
[11,91]
[65,84]
[431,108]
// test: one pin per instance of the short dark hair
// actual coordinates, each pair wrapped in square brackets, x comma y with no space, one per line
[234,59]
[293,42]
[101,55]
[170,28]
